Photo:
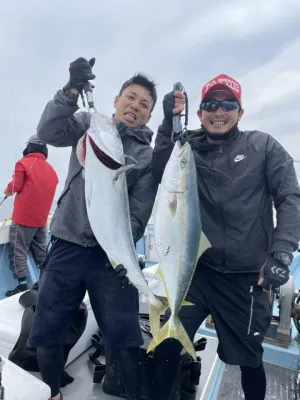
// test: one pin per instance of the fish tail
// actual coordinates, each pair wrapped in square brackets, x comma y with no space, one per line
[154,316]
[174,329]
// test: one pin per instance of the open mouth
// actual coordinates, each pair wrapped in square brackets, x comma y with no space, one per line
[103,157]
[218,123]
[131,117]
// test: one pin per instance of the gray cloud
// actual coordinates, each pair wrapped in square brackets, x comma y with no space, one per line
[258,43]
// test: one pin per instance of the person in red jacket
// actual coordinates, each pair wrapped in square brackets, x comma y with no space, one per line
[34,183]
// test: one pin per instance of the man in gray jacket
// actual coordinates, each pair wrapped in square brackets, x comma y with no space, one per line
[239,175]
[76,262]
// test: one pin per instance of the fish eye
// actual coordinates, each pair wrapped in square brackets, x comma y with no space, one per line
[183,162]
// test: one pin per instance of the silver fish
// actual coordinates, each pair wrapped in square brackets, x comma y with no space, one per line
[100,152]
[179,241]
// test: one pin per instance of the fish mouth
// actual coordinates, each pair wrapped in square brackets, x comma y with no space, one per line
[181,148]
[105,159]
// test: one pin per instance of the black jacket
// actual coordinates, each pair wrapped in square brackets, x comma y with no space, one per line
[237,182]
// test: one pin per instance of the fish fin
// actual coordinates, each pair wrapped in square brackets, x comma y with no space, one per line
[121,170]
[154,300]
[187,303]
[154,315]
[160,273]
[204,244]
[81,150]
[174,329]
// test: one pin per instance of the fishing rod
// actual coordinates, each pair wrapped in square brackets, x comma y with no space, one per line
[2,201]
[177,125]
[88,90]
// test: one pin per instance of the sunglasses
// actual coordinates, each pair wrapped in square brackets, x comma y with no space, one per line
[213,105]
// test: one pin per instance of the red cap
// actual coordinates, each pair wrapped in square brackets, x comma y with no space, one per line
[222,82]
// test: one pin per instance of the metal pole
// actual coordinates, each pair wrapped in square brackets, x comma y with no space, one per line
[1,387]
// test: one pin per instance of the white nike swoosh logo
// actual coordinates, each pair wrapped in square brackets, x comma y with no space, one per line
[237,159]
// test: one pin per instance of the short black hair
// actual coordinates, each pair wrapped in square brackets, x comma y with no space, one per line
[36,148]
[141,80]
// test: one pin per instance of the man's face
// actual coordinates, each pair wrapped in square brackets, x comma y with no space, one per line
[220,121]
[133,106]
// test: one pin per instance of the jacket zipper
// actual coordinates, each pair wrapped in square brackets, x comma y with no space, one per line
[251,310]
[222,219]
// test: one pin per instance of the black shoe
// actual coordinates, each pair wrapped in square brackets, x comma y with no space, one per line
[66,379]
[16,290]
[61,397]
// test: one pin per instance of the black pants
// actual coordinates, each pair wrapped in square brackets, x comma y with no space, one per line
[67,273]
[241,314]
[240,311]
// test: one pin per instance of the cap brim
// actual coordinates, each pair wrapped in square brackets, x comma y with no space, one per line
[220,88]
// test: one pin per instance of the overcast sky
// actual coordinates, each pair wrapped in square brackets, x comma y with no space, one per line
[256,42]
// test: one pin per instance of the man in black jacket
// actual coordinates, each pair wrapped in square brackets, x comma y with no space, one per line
[76,262]
[240,174]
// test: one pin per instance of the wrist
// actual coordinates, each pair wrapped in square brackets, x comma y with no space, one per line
[284,258]
[68,89]
[74,91]
[71,94]
[168,119]
[166,127]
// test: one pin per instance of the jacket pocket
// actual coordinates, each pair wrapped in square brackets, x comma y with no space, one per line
[259,313]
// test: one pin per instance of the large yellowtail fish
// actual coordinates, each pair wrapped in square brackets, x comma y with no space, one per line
[100,152]
[179,241]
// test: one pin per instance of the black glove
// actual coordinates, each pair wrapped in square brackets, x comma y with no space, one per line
[121,272]
[168,106]
[80,73]
[274,274]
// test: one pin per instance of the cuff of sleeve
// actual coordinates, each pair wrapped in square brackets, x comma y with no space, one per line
[167,125]
[71,97]
[281,248]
